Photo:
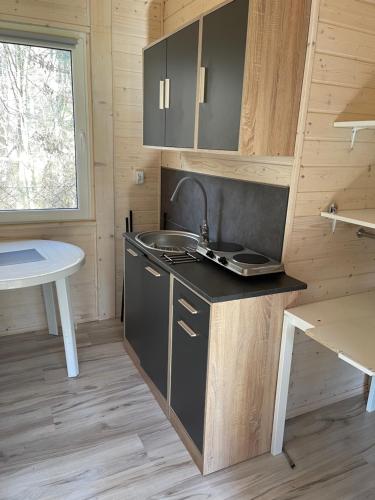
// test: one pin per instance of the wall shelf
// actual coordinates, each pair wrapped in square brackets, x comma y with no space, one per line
[356,126]
[364,217]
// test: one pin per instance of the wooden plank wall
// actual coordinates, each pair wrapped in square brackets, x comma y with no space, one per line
[93,286]
[135,24]
[341,83]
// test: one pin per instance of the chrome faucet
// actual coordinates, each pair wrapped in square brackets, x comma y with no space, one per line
[204,234]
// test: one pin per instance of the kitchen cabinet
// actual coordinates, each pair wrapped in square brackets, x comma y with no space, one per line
[212,367]
[189,361]
[222,68]
[248,83]
[182,55]
[154,75]
[155,322]
[170,68]
[133,312]
[147,315]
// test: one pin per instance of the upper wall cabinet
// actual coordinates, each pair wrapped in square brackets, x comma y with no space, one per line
[170,79]
[229,82]
[221,76]
[154,76]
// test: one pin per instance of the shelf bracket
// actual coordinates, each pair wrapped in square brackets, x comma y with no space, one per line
[362,233]
[354,135]
[332,209]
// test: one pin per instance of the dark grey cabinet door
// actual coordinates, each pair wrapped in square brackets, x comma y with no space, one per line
[154,72]
[133,310]
[182,58]
[155,324]
[189,361]
[223,57]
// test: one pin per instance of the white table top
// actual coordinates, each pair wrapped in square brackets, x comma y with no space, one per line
[345,325]
[56,260]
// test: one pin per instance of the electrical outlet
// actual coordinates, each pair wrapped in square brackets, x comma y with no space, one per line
[139,176]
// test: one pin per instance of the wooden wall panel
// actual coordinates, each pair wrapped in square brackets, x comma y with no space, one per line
[339,83]
[93,286]
[342,84]
[102,102]
[257,169]
[135,24]
[67,11]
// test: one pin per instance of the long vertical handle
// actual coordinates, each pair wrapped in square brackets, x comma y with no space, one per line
[161,94]
[167,93]
[202,84]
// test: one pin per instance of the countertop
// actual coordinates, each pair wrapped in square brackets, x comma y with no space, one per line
[217,284]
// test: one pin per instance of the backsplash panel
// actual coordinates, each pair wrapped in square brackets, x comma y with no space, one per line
[248,213]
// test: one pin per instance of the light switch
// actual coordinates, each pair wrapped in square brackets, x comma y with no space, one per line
[139,176]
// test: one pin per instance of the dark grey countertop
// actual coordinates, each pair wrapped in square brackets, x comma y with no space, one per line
[217,284]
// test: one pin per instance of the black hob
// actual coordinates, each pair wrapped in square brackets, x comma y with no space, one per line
[223,246]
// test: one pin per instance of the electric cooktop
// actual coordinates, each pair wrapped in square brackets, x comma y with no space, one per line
[239,259]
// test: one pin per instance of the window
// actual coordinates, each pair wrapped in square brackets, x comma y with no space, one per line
[44,153]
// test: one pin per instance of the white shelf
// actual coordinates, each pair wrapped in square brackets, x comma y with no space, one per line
[359,124]
[363,218]
[356,126]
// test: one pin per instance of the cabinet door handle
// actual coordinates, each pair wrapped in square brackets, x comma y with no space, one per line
[187,306]
[187,329]
[153,272]
[161,94]
[202,84]
[132,253]
[167,93]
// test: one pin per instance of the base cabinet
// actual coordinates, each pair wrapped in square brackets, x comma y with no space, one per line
[147,315]
[189,361]
[211,366]
[133,311]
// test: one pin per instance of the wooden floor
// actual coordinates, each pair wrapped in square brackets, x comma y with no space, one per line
[103,436]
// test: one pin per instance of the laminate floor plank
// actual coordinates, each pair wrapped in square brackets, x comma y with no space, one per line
[103,436]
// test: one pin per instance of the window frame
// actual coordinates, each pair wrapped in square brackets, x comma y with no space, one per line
[54,38]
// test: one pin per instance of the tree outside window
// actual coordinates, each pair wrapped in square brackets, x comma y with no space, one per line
[37,144]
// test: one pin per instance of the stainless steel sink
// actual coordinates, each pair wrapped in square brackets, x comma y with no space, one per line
[168,241]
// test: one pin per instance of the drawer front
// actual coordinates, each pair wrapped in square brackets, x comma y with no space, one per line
[191,309]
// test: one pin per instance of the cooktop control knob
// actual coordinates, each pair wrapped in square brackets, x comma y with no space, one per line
[223,260]
[210,254]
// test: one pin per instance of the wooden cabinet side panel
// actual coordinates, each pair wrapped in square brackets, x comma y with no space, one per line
[274,65]
[241,381]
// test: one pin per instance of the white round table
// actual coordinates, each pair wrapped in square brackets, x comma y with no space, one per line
[44,262]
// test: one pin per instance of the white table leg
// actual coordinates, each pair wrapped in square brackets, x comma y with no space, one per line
[67,323]
[49,302]
[371,396]
[285,362]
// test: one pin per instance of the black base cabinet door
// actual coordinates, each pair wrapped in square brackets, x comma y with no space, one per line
[133,307]
[155,324]
[147,314]
[188,381]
